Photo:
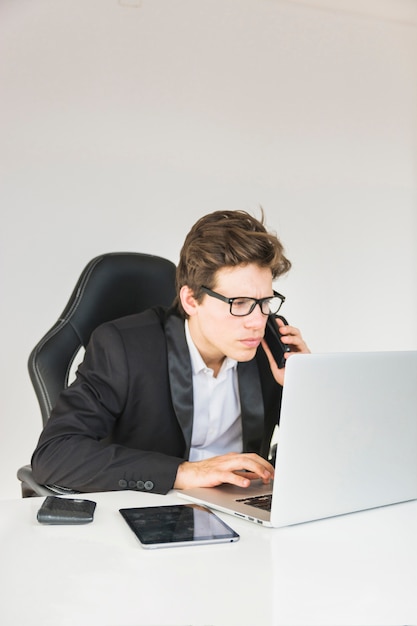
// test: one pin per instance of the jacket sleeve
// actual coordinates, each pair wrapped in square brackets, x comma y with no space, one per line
[74,450]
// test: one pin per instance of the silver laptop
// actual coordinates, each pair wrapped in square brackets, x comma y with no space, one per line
[347,441]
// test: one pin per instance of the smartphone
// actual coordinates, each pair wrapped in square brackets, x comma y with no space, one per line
[177,525]
[56,510]
[273,339]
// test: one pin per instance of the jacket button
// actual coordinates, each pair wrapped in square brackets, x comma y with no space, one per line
[149,485]
[132,484]
[140,485]
[122,483]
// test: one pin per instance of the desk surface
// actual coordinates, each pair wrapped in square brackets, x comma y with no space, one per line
[355,569]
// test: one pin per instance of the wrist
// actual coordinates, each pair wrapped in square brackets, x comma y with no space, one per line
[180,479]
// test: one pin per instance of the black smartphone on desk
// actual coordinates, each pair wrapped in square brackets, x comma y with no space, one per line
[56,510]
[274,341]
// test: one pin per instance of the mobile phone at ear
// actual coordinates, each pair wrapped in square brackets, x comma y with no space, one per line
[273,339]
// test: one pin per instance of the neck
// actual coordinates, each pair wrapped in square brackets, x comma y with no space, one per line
[212,359]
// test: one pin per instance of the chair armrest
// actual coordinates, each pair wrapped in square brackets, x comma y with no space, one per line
[29,485]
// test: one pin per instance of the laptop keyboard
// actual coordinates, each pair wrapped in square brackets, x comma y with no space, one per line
[260,502]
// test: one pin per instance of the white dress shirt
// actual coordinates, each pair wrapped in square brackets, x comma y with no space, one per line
[217,426]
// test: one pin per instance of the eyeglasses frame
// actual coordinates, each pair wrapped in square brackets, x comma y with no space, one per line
[255,301]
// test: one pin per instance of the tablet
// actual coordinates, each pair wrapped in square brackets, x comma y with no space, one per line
[177,525]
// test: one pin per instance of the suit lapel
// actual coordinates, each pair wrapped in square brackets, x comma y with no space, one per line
[252,406]
[180,376]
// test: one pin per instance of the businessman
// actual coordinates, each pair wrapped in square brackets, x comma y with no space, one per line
[186,396]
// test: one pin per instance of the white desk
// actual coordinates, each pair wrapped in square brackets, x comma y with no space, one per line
[358,569]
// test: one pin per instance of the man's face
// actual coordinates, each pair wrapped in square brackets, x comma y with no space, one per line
[215,331]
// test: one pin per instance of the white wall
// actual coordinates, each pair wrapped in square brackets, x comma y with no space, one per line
[123,122]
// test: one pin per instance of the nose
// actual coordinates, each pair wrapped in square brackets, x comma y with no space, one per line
[256,319]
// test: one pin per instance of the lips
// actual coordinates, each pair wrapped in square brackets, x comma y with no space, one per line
[251,342]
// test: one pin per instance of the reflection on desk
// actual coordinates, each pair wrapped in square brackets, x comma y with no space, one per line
[355,569]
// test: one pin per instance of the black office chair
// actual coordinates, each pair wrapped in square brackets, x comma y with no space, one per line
[111,285]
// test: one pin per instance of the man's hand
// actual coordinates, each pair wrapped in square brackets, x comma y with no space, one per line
[292,337]
[233,468]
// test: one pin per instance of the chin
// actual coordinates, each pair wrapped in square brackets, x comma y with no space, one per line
[246,355]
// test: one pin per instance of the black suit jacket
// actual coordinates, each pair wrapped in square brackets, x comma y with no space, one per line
[126,421]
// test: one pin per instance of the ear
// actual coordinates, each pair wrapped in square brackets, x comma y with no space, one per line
[189,303]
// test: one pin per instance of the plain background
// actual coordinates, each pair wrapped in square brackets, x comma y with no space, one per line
[122,122]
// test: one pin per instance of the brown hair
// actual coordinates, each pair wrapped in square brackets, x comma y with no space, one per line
[226,239]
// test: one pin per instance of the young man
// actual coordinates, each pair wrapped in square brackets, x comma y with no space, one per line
[183,397]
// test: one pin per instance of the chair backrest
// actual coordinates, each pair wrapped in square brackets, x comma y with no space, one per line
[111,285]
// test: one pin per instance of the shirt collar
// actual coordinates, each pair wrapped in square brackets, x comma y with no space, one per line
[197,362]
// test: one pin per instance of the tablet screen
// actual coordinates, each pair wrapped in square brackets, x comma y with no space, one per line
[177,525]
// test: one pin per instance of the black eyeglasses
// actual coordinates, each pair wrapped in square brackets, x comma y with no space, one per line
[241,306]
